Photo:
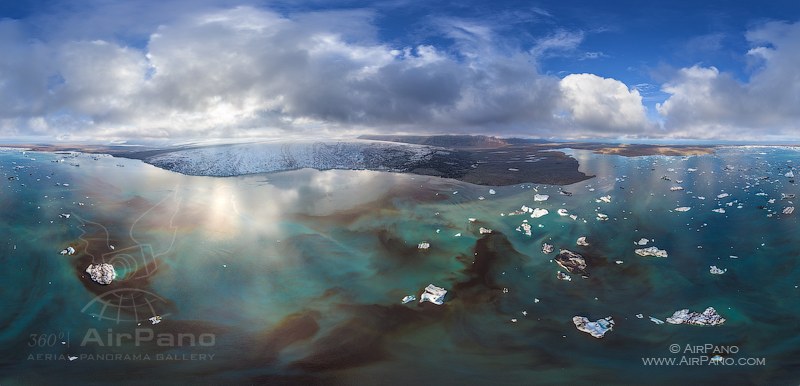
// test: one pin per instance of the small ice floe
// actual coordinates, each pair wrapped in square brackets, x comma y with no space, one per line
[789,174]
[651,251]
[656,320]
[102,273]
[155,320]
[683,208]
[424,245]
[709,317]
[723,195]
[606,199]
[602,217]
[64,215]
[525,228]
[788,210]
[676,188]
[513,169]
[718,210]
[563,276]
[433,294]
[547,248]
[574,217]
[540,197]
[408,299]
[640,316]
[492,191]
[733,257]
[472,219]
[716,271]
[642,242]
[536,300]
[785,196]
[771,201]
[582,241]
[562,212]
[596,329]
[481,198]
[538,212]
[72,358]
[484,231]
[68,251]
[690,170]
[457,234]
[701,198]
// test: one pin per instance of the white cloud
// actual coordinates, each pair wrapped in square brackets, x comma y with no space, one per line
[707,103]
[596,104]
[250,72]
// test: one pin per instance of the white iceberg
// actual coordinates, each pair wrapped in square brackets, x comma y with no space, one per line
[409,298]
[424,245]
[102,273]
[525,228]
[68,251]
[602,217]
[155,320]
[651,251]
[606,199]
[642,242]
[562,212]
[723,195]
[788,210]
[716,271]
[709,317]
[433,294]
[789,174]
[683,209]
[539,213]
[596,329]
[540,197]
[718,210]
[484,231]
[582,241]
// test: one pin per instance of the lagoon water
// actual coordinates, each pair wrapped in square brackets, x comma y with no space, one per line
[297,277]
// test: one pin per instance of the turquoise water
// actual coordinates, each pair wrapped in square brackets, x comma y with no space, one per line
[296,278]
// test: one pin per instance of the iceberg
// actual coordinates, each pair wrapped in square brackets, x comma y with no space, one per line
[539,212]
[789,174]
[562,212]
[709,317]
[723,195]
[676,188]
[716,271]
[540,197]
[683,209]
[602,217]
[68,251]
[409,298]
[102,273]
[525,228]
[656,320]
[155,320]
[547,248]
[433,294]
[424,245]
[563,276]
[484,231]
[651,251]
[642,242]
[596,329]
[788,210]
[718,210]
[606,199]
[582,241]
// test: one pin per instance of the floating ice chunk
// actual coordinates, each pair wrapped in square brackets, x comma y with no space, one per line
[788,210]
[676,188]
[472,219]
[525,228]
[718,210]
[433,294]
[723,195]
[716,271]
[540,197]
[606,199]
[484,231]
[72,358]
[651,251]
[155,320]
[562,212]
[492,191]
[563,276]
[640,316]
[602,217]
[424,245]
[68,251]
[547,248]
[642,242]
[481,198]
[789,174]
[656,320]
[683,209]
[102,273]
[408,299]
[457,234]
[574,217]
[582,241]
[709,317]
[64,215]
[596,329]
[538,212]
[619,262]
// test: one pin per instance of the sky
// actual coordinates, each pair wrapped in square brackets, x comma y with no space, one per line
[191,69]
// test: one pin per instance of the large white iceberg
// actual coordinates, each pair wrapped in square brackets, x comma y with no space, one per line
[433,294]
[709,317]
[651,251]
[539,213]
[596,329]
[102,273]
[540,197]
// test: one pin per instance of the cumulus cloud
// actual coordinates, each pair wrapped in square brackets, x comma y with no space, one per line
[705,102]
[596,104]
[251,72]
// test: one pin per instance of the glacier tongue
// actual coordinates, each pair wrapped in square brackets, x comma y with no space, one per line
[239,159]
